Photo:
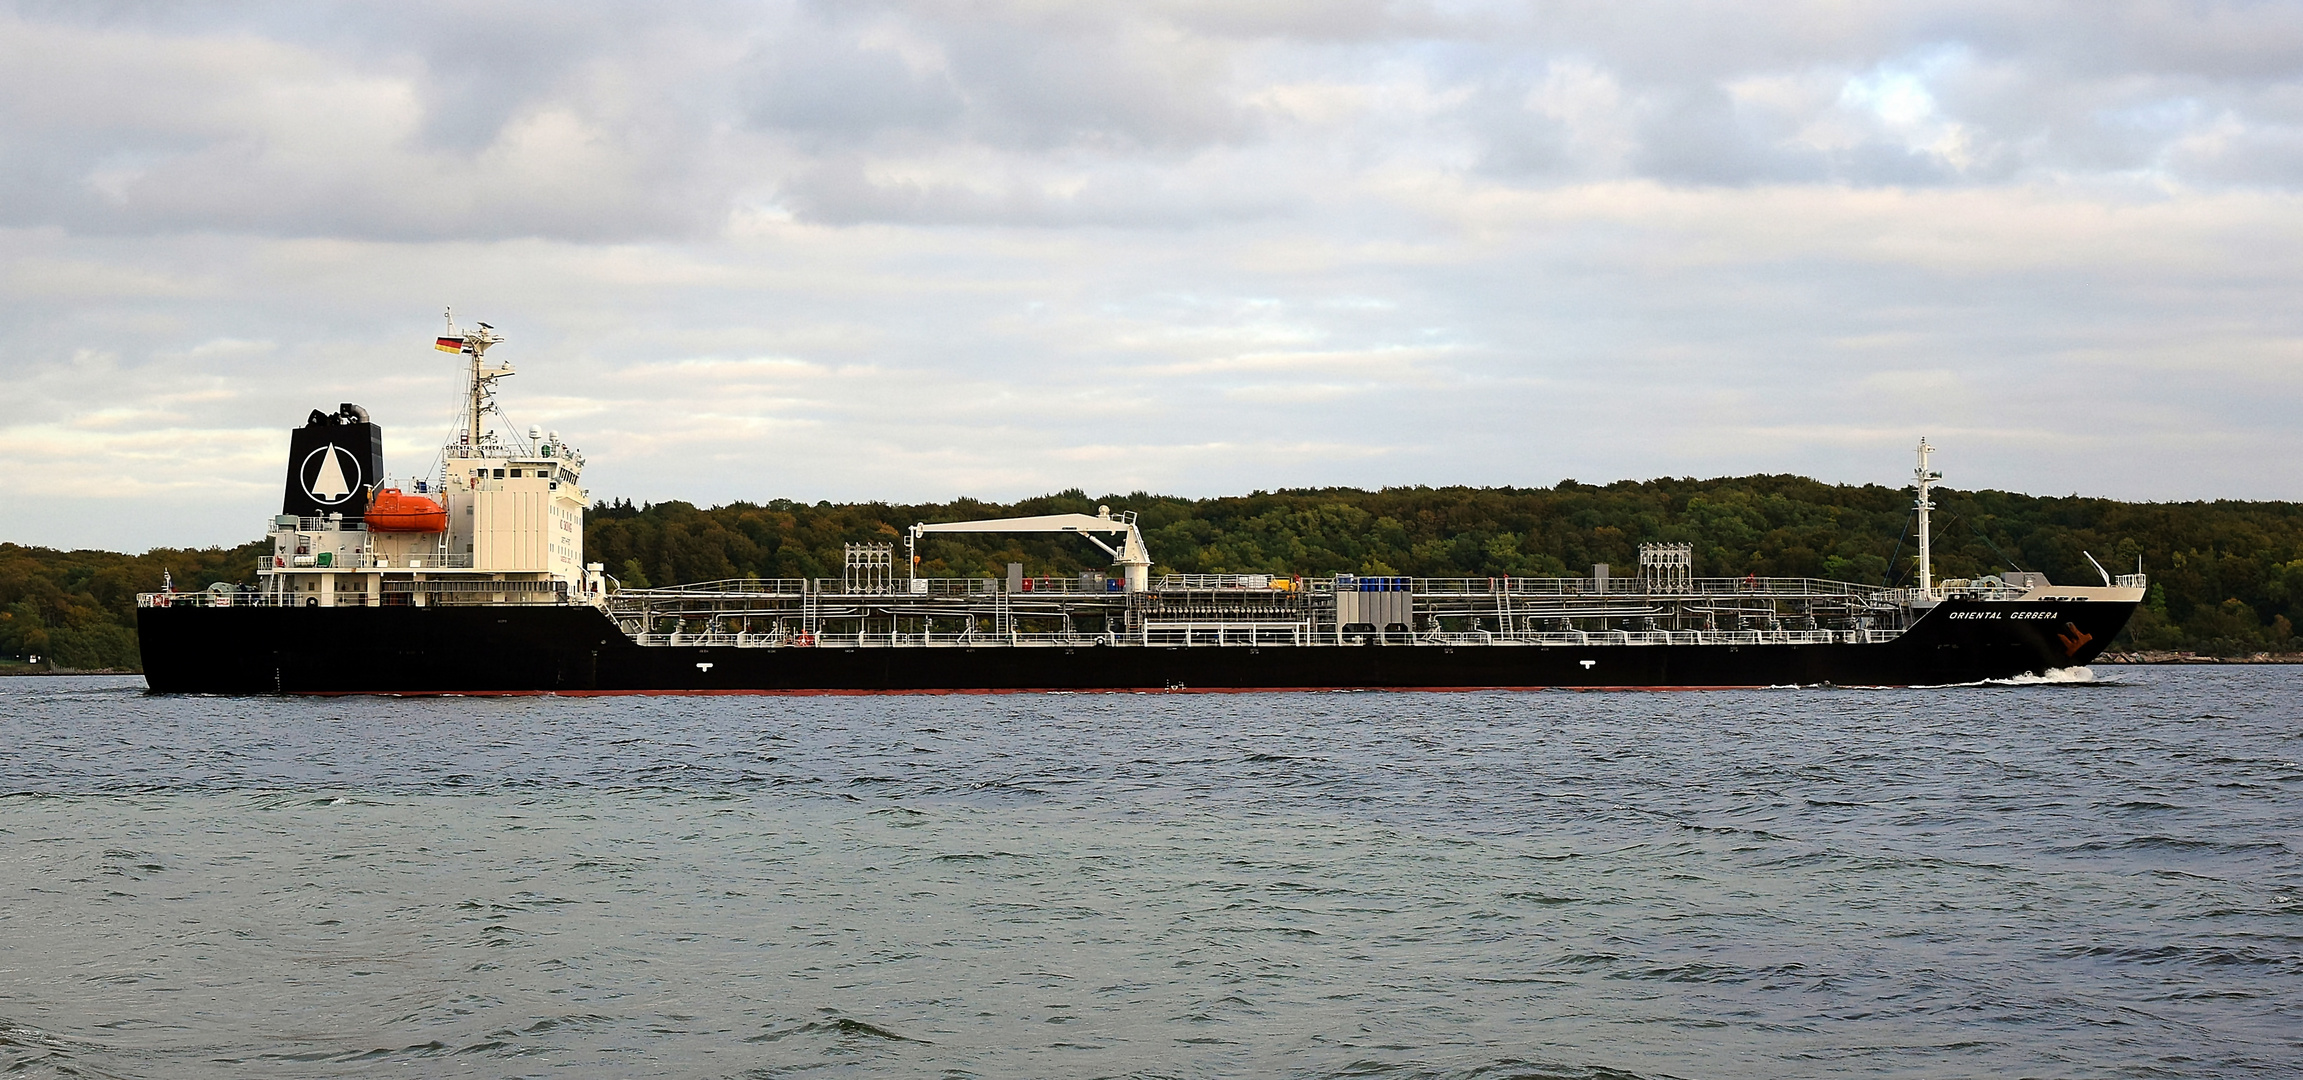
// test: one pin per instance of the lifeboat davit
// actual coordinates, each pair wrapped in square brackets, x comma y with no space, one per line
[391,511]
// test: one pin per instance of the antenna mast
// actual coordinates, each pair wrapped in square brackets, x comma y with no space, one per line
[1925,479]
[480,391]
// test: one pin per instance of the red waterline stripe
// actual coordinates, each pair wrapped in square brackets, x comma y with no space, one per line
[1023,690]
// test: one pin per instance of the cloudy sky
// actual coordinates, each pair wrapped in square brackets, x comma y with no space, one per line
[919,250]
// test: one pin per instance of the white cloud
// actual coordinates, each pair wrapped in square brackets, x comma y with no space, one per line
[1598,122]
[913,250]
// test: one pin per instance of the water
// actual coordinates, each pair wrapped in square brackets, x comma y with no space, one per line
[2098,879]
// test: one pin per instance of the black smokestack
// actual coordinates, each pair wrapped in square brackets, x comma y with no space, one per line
[334,460]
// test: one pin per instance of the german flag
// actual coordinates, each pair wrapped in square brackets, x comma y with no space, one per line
[450,344]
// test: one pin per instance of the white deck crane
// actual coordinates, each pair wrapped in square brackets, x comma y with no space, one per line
[1130,556]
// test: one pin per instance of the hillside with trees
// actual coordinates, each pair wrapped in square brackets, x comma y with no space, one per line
[2227,577]
[77,609]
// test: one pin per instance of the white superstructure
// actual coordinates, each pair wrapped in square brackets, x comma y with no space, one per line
[513,530]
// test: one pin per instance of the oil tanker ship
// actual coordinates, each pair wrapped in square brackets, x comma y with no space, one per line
[472,580]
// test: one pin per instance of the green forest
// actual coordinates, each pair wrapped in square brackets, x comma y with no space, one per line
[2227,577]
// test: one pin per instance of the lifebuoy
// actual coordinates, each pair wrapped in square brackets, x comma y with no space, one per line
[160,600]
[803,638]
[278,562]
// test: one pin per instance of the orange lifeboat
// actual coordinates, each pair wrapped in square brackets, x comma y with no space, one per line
[391,511]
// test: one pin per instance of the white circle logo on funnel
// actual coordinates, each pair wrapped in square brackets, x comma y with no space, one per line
[331,475]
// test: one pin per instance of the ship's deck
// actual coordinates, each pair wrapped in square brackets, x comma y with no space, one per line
[1175,637]
[1253,610]
[1231,610]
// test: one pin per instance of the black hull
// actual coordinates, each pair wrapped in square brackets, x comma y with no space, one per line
[578,650]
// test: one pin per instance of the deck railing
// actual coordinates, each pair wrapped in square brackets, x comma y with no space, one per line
[899,588]
[363,561]
[449,590]
[1635,586]
[802,639]
[205,599]
[1755,587]
[1210,635]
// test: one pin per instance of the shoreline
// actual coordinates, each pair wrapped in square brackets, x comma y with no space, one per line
[29,672]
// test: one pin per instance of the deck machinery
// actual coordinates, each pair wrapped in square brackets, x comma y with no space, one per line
[1662,604]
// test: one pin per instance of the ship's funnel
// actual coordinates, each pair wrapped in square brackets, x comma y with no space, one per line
[333,462]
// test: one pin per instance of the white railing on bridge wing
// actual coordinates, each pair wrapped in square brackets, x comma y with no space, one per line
[361,561]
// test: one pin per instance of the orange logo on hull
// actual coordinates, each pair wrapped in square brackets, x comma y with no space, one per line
[2073,639]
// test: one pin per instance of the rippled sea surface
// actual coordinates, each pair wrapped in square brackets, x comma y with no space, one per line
[2094,879]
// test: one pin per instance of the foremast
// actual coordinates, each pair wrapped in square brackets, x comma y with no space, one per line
[1923,481]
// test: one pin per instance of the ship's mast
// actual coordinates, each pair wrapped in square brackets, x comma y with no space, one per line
[480,390]
[1925,478]
[473,401]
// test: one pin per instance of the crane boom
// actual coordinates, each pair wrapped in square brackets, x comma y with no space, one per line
[1133,559]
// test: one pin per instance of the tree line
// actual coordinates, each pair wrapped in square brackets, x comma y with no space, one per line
[77,609]
[2227,576]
